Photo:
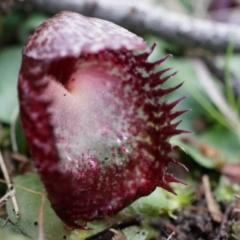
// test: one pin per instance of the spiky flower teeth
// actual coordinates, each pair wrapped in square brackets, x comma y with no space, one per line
[92,112]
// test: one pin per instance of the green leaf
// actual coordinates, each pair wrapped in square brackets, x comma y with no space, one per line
[234,65]
[10,59]
[226,190]
[216,138]
[9,24]
[54,229]
[30,207]
[150,205]
[10,232]
[225,141]
[30,24]
[193,152]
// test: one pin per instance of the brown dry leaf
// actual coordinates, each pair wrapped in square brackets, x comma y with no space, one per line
[205,149]
[214,156]
[212,205]
[232,170]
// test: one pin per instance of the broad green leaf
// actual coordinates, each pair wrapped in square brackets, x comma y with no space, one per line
[218,139]
[10,59]
[9,24]
[193,152]
[225,141]
[10,232]
[30,205]
[7,235]
[149,205]
[30,24]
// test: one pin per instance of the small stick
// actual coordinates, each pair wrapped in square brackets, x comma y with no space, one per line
[41,218]
[41,211]
[176,231]
[222,231]
[171,235]
[212,205]
[5,222]
[7,196]
[9,185]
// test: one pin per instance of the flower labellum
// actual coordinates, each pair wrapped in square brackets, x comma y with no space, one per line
[93,115]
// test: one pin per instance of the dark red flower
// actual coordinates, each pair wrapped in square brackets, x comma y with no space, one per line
[92,112]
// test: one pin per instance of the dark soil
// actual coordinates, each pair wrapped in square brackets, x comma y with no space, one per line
[196,223]
[192,223]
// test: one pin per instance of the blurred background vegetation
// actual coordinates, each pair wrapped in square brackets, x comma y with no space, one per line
[211,86]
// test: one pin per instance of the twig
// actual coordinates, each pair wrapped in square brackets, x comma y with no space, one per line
[5,222]
[7,196]
[9,185]
[176,231]
[213,207]
[41,219]
[222,231]
[148,17]
[41,210]
[171,235]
